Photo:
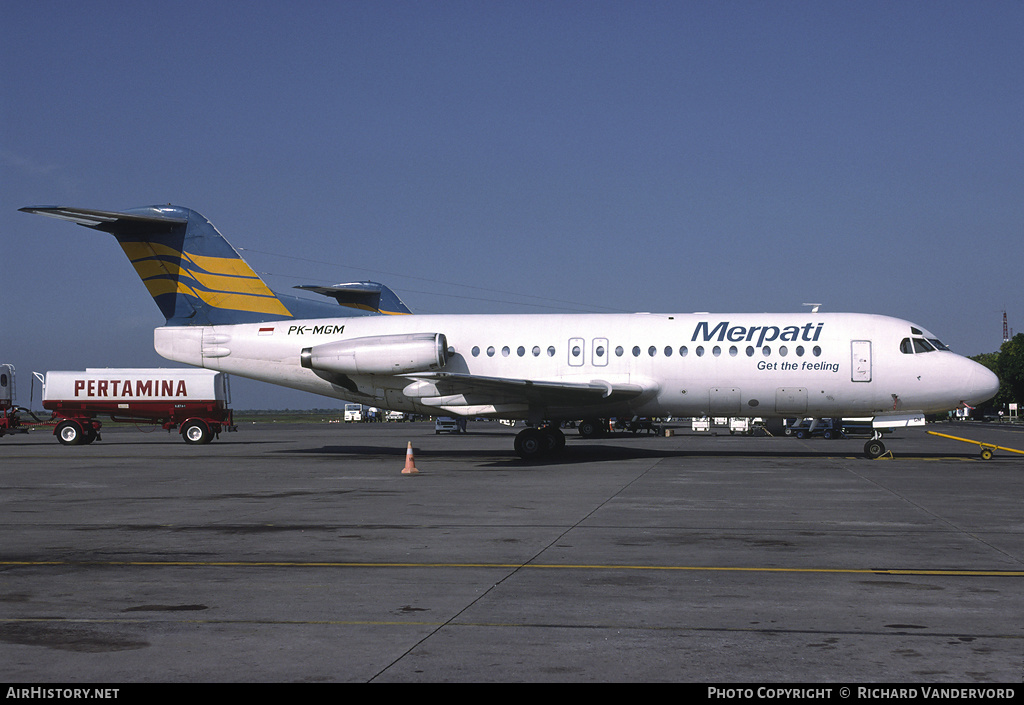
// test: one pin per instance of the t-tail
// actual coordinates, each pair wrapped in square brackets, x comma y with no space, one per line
[198,279]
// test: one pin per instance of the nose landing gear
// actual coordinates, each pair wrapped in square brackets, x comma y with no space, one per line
[874,448]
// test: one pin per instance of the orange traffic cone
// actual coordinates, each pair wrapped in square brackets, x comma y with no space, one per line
[410,462]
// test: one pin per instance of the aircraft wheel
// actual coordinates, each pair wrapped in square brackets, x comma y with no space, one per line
[196,432]
[70,433]
[554,439]
[590,428]
[530,444]
[874,449]
[986,454]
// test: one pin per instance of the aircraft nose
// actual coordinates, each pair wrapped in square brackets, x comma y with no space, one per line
[982,384]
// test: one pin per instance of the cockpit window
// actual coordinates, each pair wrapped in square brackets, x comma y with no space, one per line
[922,346]
[912,346]
[939,345]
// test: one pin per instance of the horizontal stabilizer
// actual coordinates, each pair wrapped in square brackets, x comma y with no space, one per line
[109,221]
[368,296]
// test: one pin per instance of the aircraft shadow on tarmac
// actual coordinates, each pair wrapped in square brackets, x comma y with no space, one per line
[608,452]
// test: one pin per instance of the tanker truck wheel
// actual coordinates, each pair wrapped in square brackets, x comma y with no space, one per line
[196,432]
[70,433]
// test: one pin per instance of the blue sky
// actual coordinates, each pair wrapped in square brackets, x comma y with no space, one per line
[519,157]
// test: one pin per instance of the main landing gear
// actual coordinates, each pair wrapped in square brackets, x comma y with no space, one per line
[541,442]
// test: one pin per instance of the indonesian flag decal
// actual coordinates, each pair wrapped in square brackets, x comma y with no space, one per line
[266,330]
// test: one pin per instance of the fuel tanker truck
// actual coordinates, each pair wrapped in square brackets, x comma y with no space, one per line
[195,401]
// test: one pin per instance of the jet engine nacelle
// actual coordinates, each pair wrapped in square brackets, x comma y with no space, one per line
[379,355]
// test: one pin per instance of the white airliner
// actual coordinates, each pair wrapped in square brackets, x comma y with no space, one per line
[538,368]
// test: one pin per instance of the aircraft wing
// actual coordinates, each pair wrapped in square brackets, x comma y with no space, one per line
[476,394]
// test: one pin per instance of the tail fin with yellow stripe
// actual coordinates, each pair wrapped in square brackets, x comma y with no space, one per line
[195,276]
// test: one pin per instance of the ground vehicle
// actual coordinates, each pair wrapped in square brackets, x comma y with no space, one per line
[806,428]
[353,413]
[447,424]
[10,422]
[194,401]
[6,386]
[636,425]
[746,426]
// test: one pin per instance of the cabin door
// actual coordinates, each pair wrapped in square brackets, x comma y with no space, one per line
[860,351]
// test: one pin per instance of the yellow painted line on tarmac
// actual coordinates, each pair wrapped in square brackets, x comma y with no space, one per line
[515,566]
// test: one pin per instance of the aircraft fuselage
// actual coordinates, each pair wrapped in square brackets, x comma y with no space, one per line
[768,365]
